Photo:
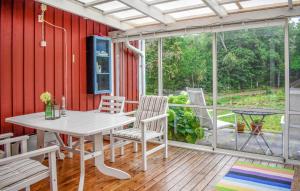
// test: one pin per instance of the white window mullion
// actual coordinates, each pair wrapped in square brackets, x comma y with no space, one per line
[287,92]
[215,93]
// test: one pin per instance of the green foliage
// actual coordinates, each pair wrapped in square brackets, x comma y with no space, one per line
[183,124]
[249,61]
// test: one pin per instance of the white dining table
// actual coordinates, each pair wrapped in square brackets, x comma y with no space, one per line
[80,124]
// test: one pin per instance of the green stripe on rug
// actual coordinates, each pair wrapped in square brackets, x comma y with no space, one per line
[221,188]
[266,167]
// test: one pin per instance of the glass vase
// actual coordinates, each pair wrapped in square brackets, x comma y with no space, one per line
[48,111]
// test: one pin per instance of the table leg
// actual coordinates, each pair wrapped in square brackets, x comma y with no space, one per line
[82,165]
[99,161]
[263,138]
[247,141]
[40,136]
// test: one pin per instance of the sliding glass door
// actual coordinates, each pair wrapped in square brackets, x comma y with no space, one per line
[246,73]
[250,65]
[294,90]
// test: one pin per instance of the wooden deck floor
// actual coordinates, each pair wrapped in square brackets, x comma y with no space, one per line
[184,170]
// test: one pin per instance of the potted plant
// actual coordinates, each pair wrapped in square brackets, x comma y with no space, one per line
[256,126]
[240,126]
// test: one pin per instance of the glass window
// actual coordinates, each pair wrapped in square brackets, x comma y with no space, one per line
[192,13]
[294,94]
[251,88]
[151,67]
[178,4]
[110,6]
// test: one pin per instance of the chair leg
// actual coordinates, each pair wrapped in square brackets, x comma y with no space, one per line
[70,144]
[53,175]
[144,154]
[27,188]
[166,148]
[112,148]
[166,143]
[135,147]
[122,150]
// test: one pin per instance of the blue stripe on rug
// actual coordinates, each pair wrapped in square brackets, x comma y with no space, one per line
[261,178]
[261,181]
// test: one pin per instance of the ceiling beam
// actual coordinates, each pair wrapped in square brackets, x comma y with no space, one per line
[95,2]
[208,29]
[90,13]
[155,2]
[290,4]
[199,6]
[214,5]
[148,10]
[251,16]
[184,8]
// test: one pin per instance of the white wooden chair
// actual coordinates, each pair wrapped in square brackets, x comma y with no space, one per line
[151,122]
[112,104]
[108,104]
[4,136]
[196,97]
[19,171]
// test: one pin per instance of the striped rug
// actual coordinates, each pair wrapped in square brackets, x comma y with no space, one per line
[245,176]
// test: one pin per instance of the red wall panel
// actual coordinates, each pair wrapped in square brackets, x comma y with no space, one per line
[27,69]
[29,59]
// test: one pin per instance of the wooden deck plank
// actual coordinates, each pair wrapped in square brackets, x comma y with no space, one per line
[190,185]
[184,170]
[212,173]
[169,181]
[141,178]
[211,185]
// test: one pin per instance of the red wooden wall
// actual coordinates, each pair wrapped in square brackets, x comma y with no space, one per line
[27,70]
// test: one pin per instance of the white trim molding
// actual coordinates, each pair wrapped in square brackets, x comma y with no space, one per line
[86,12]
[205,24]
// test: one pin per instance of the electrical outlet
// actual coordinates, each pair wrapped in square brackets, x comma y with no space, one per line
[43,43]
[40,18]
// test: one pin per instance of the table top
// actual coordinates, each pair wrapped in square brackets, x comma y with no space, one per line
[76,123]
[249,112]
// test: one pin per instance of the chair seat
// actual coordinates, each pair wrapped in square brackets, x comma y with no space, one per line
[135,134]
[17,172]
[223,124]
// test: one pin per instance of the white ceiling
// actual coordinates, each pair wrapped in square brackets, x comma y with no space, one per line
[177,9]
[144,15]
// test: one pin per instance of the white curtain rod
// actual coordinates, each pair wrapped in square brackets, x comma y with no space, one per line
[208,29]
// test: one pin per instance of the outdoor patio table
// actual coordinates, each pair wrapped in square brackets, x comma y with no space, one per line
[80,124]
[256,132]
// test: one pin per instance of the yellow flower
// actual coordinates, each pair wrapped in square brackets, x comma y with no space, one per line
[45,97]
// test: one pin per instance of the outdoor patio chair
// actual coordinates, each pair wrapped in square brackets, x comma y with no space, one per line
[4,136]
[108,104]
[19,171]
[151,122]
[196,97]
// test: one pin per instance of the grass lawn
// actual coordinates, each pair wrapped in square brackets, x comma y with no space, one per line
[271,99]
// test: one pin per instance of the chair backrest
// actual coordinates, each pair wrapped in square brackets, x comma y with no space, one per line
[196,97]
[112,104]
[295,106]
[151,106]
